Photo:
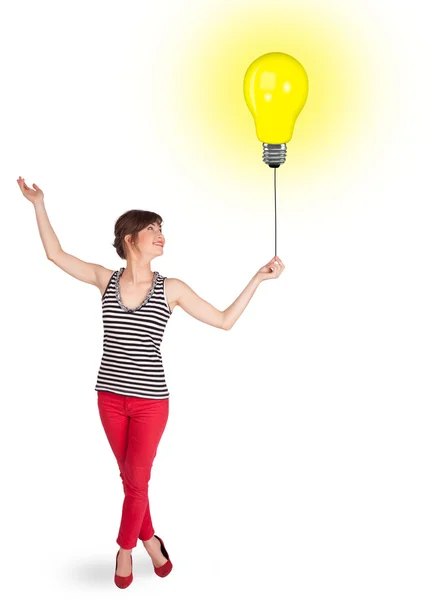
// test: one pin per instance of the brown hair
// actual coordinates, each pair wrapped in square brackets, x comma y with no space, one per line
[131,222]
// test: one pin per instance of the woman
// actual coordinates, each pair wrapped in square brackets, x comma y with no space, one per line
[133,399]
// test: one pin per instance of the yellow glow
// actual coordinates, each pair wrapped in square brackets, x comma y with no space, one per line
[275,87]
[207,72]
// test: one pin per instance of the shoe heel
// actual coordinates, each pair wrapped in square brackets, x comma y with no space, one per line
[167,567]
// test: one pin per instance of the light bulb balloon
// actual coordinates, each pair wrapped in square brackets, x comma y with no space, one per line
[275,87]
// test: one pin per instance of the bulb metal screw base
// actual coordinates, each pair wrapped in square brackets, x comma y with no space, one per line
[274,155]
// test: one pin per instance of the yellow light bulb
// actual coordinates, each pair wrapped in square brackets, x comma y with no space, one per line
[275,87]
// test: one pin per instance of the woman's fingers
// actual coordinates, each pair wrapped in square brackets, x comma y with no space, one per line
[277,269]
[274,268]
[280,263]
[276,258]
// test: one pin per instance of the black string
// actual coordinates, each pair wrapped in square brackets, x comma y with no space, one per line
[274,173]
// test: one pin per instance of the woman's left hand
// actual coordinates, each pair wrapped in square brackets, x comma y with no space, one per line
[271,270]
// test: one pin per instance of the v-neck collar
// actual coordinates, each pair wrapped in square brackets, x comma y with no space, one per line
[148,295]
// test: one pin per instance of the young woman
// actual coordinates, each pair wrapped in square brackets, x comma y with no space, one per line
[133,399]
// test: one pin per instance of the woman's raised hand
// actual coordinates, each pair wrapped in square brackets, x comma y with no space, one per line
[271,270]
[35,195]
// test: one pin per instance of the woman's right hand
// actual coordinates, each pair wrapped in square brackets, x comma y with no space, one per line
[35,195]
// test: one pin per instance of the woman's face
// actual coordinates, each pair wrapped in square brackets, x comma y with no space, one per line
[151,239]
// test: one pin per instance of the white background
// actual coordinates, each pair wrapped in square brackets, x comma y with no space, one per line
[295,460]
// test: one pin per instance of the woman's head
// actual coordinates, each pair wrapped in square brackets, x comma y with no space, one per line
[138,229]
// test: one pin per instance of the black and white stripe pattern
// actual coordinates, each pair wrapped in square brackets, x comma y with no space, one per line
[131,363]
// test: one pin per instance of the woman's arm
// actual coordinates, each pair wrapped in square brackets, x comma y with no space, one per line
[49,239]
[203,311]
[195,306]
[198,308]
[79,269]
[87,272]
[233,312]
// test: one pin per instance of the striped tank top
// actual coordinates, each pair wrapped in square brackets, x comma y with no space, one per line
[131,363]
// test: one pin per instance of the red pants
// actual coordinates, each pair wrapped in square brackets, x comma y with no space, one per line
[134,427]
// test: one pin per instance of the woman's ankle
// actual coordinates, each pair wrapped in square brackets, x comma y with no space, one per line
[150,541]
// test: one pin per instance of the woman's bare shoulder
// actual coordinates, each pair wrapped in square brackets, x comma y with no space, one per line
[103,277]
[172,291]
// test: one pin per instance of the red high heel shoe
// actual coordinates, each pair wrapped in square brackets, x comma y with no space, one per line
[120,581]
[167,567]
